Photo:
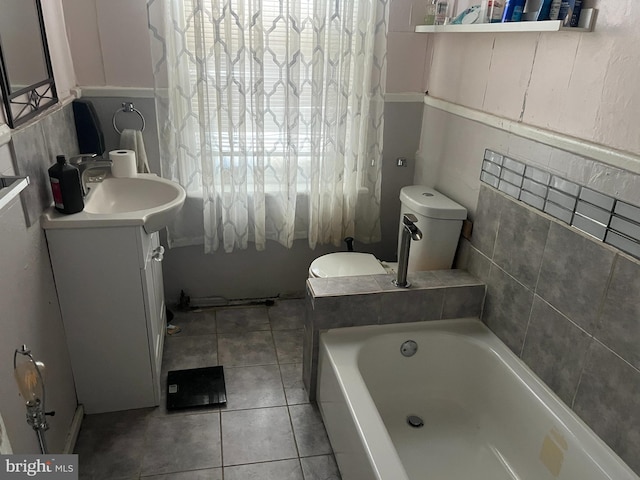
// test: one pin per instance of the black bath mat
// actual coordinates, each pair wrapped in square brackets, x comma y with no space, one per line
[196,387]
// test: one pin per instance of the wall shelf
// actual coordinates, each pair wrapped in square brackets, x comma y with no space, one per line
[586,24]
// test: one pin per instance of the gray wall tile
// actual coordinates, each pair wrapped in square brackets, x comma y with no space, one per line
[486,220]
[580,278]
[608,399]
[463,302]
[619,326]
[30,153]
[574,275]
[520,242]
[455,277]
[463,252]
[555,349]
[506,308]
[425,280]
[60,132]
[35,148]
[411,306]
[478,265]
[346,311]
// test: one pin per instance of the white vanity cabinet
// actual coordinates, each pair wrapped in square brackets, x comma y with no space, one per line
[110,288]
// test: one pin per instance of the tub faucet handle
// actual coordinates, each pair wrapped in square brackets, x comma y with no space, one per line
[409,220]
[409,232]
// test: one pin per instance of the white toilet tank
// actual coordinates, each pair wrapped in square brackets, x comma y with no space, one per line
[439,220]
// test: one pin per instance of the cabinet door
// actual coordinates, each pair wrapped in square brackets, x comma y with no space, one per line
[103,300]
[155,307]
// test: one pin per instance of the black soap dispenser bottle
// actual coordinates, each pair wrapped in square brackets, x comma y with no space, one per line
[66,186]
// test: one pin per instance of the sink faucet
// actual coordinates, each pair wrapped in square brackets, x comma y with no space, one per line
[409,232]
[88,161]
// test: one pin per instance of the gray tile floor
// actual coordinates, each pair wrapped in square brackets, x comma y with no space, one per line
[267,431]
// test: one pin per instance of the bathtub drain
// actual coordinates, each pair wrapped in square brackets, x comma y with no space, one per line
[409,348]
[415,421]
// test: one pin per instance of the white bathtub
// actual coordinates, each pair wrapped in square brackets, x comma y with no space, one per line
[485,414]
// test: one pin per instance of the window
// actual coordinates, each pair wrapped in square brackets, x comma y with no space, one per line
[272,116]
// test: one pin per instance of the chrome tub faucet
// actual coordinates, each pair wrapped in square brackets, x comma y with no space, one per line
[409,232]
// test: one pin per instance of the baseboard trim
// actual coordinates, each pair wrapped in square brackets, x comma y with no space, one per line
[74,430]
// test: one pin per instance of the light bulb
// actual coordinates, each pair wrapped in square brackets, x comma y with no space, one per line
[29,382]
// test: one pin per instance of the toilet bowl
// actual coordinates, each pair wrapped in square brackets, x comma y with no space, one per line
[439,219]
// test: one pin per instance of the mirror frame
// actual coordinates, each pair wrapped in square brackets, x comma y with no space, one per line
[26,103]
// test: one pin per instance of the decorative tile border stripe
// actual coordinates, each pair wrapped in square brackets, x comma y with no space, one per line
[606,218]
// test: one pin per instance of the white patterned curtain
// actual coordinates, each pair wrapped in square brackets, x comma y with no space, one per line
[270,115]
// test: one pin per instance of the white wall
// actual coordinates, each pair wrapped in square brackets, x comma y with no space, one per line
[30,315]
[582,85]
[109,42]
[28,304]
[407,60]
[61,60]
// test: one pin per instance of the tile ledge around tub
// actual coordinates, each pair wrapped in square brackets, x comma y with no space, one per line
[373,284]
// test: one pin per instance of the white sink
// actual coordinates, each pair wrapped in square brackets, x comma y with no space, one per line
[146,200]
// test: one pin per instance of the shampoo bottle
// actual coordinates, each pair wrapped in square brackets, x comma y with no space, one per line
[513,10]
[66,186]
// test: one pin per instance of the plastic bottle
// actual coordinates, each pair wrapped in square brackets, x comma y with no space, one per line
[513,10]
[494,10]
[430,14]
[66,186]
[442,8]
[554,10]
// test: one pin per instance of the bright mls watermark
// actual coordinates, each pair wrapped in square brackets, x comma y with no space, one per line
[52,467]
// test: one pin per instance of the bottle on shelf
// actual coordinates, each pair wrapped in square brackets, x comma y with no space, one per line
[430,14]
[491,11]
[513,10]
[442,9]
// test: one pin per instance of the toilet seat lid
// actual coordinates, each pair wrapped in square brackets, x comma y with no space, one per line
[345,264]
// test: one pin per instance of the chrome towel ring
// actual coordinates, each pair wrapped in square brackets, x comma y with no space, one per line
[127,107]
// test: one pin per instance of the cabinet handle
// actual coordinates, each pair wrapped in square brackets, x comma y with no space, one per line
[158,254]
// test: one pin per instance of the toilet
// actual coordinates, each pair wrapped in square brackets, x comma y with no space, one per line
[439,219]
